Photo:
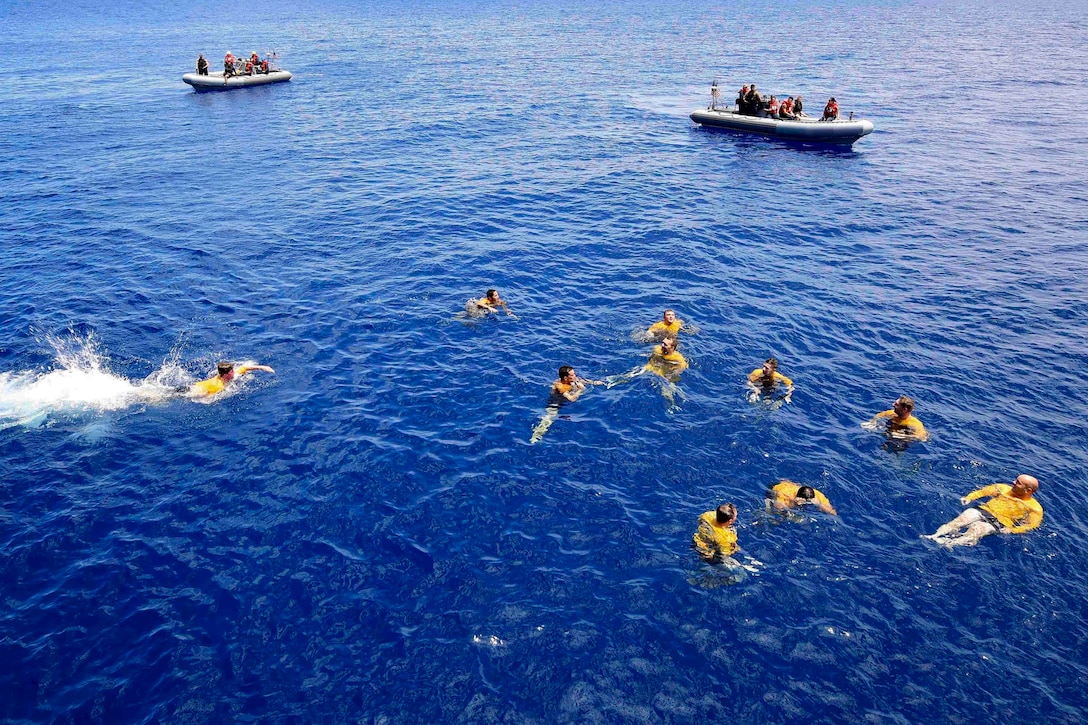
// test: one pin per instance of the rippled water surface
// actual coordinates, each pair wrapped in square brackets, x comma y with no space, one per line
[367,535]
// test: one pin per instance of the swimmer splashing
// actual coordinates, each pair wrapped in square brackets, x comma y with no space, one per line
[81,384]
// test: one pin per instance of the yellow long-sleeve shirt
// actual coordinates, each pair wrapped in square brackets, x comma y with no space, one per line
[786,492]
[664,328]
[667,365]
[1017,515]
[910,425]
[712,540]
[756,378]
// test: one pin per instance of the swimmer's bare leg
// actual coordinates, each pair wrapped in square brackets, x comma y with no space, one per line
[953,527]
[975,532]
[545,423]
[613,380]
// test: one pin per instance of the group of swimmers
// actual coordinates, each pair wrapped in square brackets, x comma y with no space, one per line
[1009,509]
[750,103]
[236,65]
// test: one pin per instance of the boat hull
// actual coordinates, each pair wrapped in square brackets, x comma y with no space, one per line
[808,130]
[215,82]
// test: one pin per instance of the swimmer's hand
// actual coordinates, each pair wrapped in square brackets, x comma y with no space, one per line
[964,501]
[788,398]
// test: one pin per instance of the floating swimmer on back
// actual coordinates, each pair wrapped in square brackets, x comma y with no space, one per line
[226,372]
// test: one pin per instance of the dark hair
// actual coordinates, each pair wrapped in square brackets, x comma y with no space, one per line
[726,513]
[492,292]
[806,492]
[906,402]
[563,370]
[772,361]
[224,367]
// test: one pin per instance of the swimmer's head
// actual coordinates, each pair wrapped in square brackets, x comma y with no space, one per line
[903,403]
[669,316]
[493,294]
[565,372]
[1025,485]
[726,513]
[808,493]
[669,344]
[770,365]
[224,368]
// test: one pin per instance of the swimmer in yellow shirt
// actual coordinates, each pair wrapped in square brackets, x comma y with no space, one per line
[225,373]
[789,495]
[667,363]
[668,326]
[901,422]
[1010,510]
[763,381]
[716,539]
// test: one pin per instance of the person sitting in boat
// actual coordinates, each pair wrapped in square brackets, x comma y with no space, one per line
[742,99]
[228,65]
[831,110]
[255,62]
[785,110]
[772,107]
[264,67]
[799,107]
[755,101]
[202,65]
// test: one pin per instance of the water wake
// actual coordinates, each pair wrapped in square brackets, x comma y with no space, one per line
[80,382]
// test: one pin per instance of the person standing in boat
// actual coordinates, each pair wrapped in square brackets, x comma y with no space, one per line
[228,65]
[742,99]
[831,110]
[254,62]
[201,65]
[755,101]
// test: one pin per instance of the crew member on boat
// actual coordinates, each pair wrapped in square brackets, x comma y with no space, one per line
[831,110]
[228,65]
[202,65]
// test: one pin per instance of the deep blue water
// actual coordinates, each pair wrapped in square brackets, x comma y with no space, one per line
[366,535]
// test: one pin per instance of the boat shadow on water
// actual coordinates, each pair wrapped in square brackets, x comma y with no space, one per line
[748,141]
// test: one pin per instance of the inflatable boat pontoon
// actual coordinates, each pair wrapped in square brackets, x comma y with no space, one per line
[215,82]
[810,130]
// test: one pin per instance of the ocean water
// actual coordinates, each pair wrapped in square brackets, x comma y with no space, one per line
[367,535]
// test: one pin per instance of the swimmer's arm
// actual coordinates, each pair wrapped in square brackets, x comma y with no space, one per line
[987,491]
[250,368]
[825,505]
[874,422]
[587,381]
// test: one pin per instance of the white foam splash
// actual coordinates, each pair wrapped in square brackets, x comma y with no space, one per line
[79,382]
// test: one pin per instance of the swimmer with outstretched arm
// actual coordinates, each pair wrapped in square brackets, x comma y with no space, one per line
[1008,510]
[225,373]
[567,389]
